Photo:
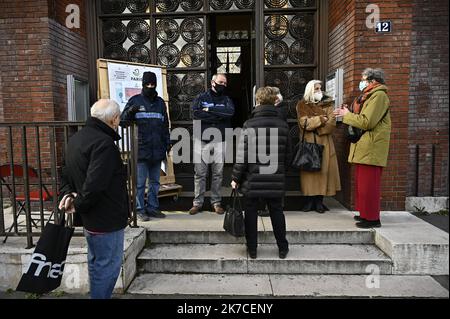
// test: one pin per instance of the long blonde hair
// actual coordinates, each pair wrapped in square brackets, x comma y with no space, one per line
[309,91]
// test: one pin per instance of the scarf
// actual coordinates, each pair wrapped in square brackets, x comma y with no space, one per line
[359,101]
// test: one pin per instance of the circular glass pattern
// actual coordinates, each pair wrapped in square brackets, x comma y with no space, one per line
[192,55]
[139,53]
[192,30]
[114,31]
[221,4]
[168,30]
[277,52]
[167,5]
[276,27]
[138,31]
[168,55]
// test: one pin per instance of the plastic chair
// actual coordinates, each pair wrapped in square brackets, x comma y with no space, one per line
[37,192]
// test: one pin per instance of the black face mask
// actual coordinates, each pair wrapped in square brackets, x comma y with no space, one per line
[149,92]
[220,89]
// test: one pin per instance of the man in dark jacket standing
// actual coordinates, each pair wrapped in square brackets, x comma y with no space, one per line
[258,180]
[94,185]
[149,112]
[214,109]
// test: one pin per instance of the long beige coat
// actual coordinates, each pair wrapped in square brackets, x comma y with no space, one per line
[326,182]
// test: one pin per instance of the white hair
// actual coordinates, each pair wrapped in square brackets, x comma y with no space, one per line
[105,110]
[308,96]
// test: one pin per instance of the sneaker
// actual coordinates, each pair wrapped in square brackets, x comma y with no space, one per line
[194,210]
[283,253]
[218,209]
[142,216]
[156,214]
[369,224]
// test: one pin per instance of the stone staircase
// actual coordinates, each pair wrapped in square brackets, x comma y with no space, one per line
[192,257]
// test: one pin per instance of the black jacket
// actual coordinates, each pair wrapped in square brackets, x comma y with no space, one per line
[153,127]
[219,114]
[94,170]
[253,182]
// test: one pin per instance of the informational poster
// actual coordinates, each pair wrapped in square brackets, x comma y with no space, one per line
[125,81]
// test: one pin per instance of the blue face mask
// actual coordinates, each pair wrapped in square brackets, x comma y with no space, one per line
[363,85]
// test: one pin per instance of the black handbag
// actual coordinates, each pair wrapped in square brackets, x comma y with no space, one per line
[46,267]
[308,156]
[233,221]
[354,134]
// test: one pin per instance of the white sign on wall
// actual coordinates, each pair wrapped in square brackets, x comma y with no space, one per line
[125,81]
[335,88]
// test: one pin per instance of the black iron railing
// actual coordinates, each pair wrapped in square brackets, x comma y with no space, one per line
[31,158]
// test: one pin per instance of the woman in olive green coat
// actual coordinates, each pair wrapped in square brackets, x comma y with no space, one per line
[369,154]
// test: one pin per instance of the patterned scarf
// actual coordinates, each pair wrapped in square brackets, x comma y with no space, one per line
[359,101]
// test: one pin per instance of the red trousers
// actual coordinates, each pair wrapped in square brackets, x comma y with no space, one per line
[368,191]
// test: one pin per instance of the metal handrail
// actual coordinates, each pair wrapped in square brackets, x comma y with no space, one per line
[41,145]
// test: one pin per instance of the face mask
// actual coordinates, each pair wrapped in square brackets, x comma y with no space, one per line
[149,92]
[279,99]
[363,85]
[220,89]
[318,96]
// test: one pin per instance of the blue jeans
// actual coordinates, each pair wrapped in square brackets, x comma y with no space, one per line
[105,254]
[152,171]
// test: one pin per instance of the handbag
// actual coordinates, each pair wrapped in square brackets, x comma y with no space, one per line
[46,267]
[308,156]
[354,134]
[233,221]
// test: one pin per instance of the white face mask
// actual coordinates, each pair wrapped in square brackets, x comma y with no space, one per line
[279,99]
[318,96]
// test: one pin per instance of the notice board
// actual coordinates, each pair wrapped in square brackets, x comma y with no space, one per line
[119,81]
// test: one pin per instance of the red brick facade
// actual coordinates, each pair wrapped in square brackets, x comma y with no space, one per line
[37,52]
[429,98]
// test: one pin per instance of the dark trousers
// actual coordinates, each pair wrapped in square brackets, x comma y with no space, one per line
[276,216]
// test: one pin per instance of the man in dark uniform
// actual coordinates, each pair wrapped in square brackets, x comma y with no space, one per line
[148,110]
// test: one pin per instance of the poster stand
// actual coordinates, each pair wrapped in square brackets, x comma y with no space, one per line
[167,180]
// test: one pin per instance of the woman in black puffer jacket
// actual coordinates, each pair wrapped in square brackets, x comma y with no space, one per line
[259,172]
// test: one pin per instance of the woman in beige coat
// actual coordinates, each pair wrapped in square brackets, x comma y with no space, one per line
[316,111]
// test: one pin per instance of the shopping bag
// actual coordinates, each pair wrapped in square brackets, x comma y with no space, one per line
[233,221]
[46,267]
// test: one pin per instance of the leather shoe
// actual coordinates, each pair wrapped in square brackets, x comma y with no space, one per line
[283,253]
[358,218]
[218,210]
[369,224]
[252,253]
[308,206]
[194,210]
[320,208]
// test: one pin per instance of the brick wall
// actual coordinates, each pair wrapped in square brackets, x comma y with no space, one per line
[37,53]
[341,49]
[428,99]
[391,52]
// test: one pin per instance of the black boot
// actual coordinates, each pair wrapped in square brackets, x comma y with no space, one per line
[320,207]
[369,224]
[309,204]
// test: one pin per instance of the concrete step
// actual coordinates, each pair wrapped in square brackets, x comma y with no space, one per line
[230,258]
[264,237]
[302,228]
[283,286]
